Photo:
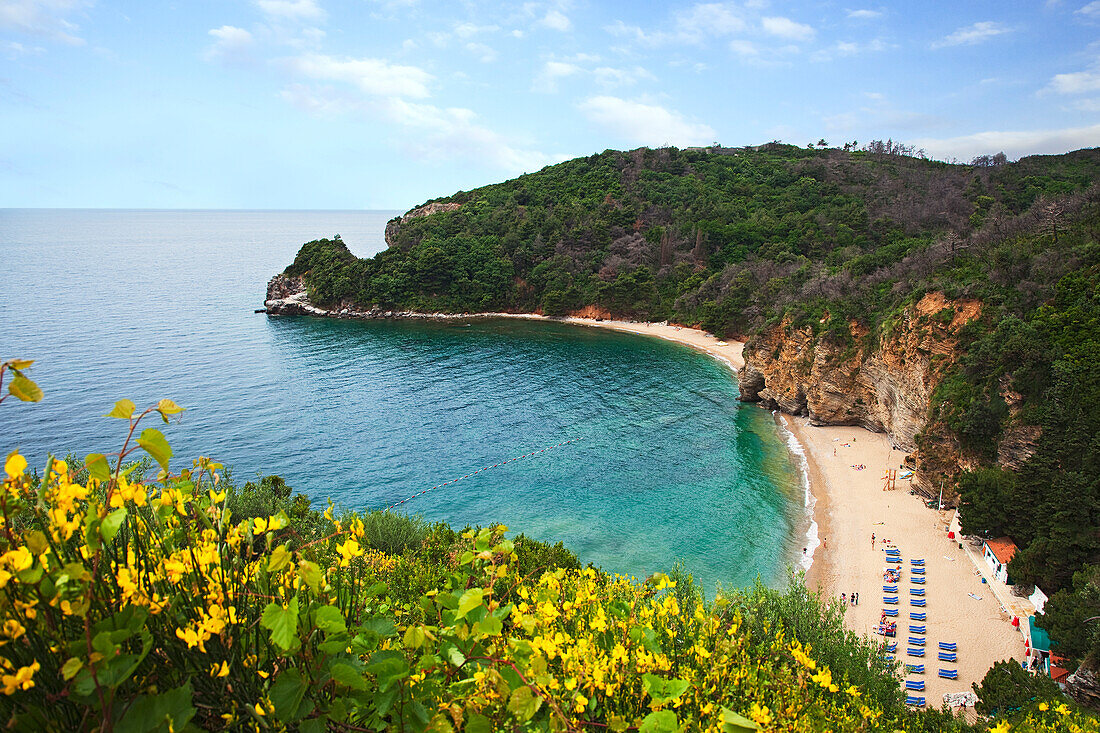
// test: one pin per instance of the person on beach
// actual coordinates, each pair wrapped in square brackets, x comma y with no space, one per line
[855,599]
[843,597]
[824,543]
[872,540]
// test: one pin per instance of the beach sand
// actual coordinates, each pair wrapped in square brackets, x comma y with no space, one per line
[851,505]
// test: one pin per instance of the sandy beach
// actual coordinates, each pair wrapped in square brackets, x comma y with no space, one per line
[850,505]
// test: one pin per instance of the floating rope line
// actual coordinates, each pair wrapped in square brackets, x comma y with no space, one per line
[469,475]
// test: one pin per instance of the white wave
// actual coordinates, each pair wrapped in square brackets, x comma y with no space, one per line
[812,541]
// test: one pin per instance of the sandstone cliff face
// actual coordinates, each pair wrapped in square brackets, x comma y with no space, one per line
[887,390]
[394,224]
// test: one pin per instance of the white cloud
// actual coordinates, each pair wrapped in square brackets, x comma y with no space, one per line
[14,49]
[468,30]
[609,77]
[484,54]
[1092,10]
[42,18]
[230,44]
[645,124]
[556,20]
[787,28]
[1087,105]
[1076,82]
[864,14]
[376,77]
[745,49]
[842,49]
[1013,143]
[691,25]
[291,9]
[972,34]
[552,71]
[713,19]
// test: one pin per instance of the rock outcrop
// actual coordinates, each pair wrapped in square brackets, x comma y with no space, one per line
[885,389]
[435,207]
[1084,687]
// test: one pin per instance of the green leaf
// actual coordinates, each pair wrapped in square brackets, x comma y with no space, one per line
[662,690]
[278,559]
[439,724]
[310,572]
[152,440]
[524,704]
[414,637]
[662,721]
[389,667]
[283,623]
[111,524]
[124,410]
[287,694]
[71,667]
[329,619]
[348,676]
[169,711]
[734,723]
[477,723]
[490,626]
[312,725]
[97,466]
[470,600]
[168,407]
[24,389]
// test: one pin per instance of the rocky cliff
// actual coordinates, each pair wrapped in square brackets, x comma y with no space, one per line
[887,388]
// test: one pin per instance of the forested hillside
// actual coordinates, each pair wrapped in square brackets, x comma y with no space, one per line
[740,241]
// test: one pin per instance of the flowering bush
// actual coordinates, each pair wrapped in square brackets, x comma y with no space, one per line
[141,605]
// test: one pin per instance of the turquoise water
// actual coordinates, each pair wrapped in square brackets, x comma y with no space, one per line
[667,465]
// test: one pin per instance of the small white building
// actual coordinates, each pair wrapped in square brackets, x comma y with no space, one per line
[1038,599]
[997,553]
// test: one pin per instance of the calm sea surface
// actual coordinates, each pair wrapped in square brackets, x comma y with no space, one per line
[150,304]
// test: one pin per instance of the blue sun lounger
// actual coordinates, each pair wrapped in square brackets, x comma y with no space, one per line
[914,700]
[914,651]
[890,599]
[915,669]
[949,674]
[888,657]
[914,685]
[918,581]
[893,558]
[918,561]
[916,591]
[918,602]
[948,646]
[914,616]
[892,648]
[890,611]
[916,629]
[889,589]
[917,571]
[916,640]
[948,657]
[894,553]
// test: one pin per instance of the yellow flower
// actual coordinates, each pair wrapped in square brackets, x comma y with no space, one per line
[761,714]
[1062,709]
[1044,707]
[223,671]
[1002,727]
[853,691]
[21,680]
[14,467]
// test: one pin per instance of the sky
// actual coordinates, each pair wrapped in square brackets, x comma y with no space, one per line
[383,104]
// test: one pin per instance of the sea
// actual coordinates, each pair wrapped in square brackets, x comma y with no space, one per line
[632,451]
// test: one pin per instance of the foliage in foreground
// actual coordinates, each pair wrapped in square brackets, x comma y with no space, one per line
[144,605]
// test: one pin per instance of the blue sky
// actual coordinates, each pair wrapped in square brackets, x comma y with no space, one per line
[386,103]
